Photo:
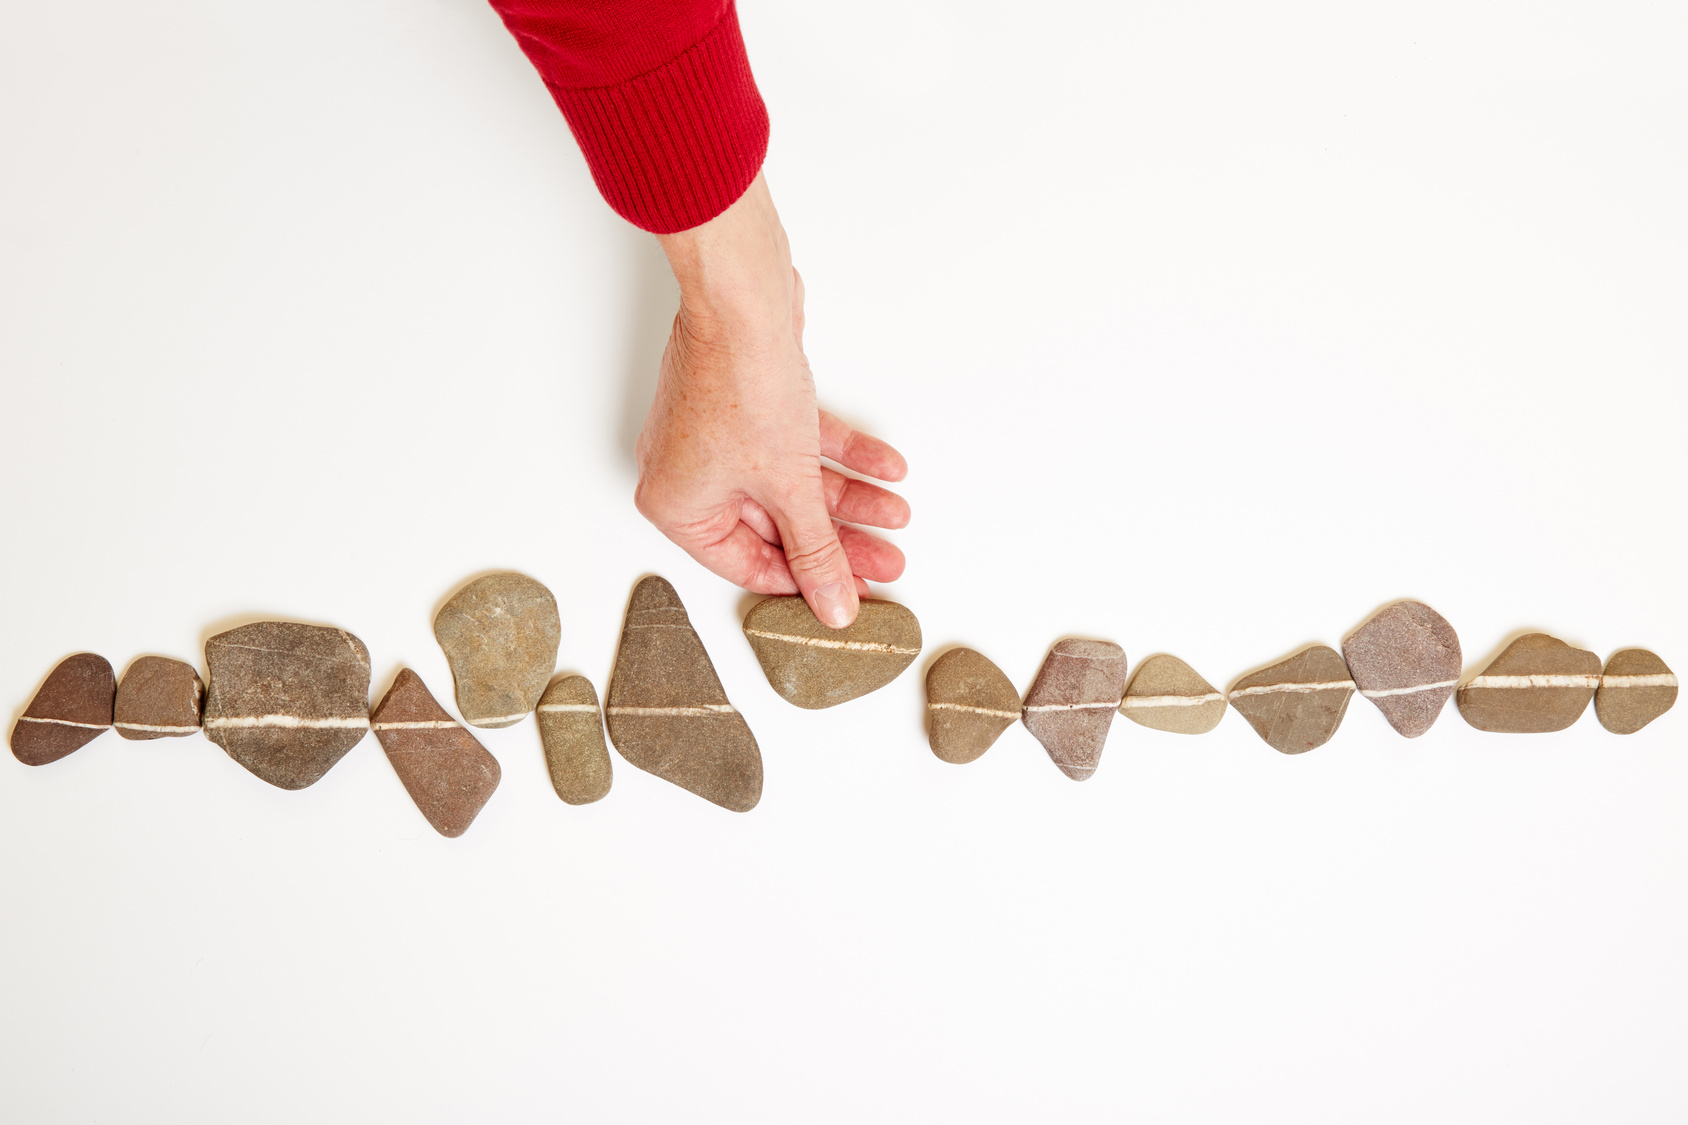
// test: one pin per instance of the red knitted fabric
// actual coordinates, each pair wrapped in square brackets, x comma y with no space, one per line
[659,96]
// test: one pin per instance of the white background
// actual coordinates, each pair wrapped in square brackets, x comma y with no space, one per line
[1205,327]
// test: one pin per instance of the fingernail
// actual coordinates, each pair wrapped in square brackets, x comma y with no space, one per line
[832,606]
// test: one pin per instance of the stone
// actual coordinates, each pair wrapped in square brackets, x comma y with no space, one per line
[1072,703]
[158,698]
[1636,688]
[445,770]
[1166,694]
[667,713]
[285,700]
[500,635]
[815,666]
[572,732]
[1406,660]
[72,708]
[1537,685]
[1296,704]
[969,703]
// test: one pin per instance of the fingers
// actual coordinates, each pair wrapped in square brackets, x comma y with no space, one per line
[745,559]
[855,501]
[870,557]
[816,558]
[859,452]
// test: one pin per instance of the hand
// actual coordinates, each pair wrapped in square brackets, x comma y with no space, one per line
[730,455]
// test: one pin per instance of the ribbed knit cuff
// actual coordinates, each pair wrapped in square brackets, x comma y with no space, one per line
[676,146]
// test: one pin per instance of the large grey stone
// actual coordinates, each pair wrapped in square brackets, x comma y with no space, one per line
[815,666]
[500,635]
[1536,685]
[1296,704]
[969,703]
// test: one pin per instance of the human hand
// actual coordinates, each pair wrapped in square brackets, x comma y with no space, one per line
[730,454]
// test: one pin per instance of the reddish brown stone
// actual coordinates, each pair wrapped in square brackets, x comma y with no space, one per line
[1538,685]
[72,709]
[447,772]
[1406,660]
[158,698]
[1072,702]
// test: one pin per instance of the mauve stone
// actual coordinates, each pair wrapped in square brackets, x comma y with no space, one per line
[815,666]
[1072,703]
[71,709]
[285,700]
[158,698]
[500,635]
[445,770]
[1636,688]
[1406,660]
[1166,694]
[572,731]
[667,712]
[1296,704]
[1537,685]
[969,703]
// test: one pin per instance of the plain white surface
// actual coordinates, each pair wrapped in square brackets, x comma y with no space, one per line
[1205,327]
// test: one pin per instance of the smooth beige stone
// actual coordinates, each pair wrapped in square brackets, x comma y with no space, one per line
[1406,660]
[572,731]
[814,666]
[969,703]
[1296,704]
[1636,688]
[1167,694]
[158,698]
[1071,703]
[500,635]
[1538,685]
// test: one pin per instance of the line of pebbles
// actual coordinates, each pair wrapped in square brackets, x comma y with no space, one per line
[288,701]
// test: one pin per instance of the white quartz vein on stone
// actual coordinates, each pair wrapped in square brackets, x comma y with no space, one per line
[973,710]
[1274,689]
[1653,679]
[1383,693]
[825,642]
[1538,680]
[702,709]
[1172,700]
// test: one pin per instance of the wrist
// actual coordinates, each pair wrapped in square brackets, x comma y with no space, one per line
[734,271]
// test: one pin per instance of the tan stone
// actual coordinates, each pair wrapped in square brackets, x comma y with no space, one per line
[572,731]
[445,770]
[72,708]
[1537,685]
[158,698]
[500,634]
[1636,688]
[1406,660]
[1166,694]
[814,666]
[969,703]
[1296,704]
[1071,703]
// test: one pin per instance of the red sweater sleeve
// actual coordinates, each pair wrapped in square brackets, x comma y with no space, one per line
[659,95]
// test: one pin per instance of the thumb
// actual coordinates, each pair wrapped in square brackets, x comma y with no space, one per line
[817,560]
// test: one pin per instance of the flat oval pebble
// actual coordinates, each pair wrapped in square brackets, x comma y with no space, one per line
[158,698]
[445,770]
[969,703]
[1296,704]
[667,713]
[572,732]
[1537,685]
[71,709]
[1167,694]
[1072,702]
[286,700]
[500,635]
[815,666]
[1636,688]
[1406,660]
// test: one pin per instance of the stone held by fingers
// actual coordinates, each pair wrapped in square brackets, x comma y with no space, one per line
[1166,694]
[1406,660]
[1072,702]
[500,635]
[572,732]
[969,703]
[72,708]
[1636,688]
[1296,704]
[286,700]
[667,713]
[158,698]
[1537,685]
[814,666]
[446,771]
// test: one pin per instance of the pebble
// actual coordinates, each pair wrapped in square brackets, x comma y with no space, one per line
[500,635]
[1296,704]
[1406,660]
[572,732]
[1636,688]
[1167,694]
[667,713]
[1072,703]
[286,700]
[815,666]
[1538,684]
[158,698]
[72,709]
[447,773]
[969,703]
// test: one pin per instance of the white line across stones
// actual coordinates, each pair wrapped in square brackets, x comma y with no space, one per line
[1540,679]
[825,642]
[654,712]
[1274,689]
[1656,679]
[1070,706]
[973,710]
[417,724]
[484,720]
[285,722]
[569,707]
[149,728]
[1134,701]
[63,722]
[1384,693]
